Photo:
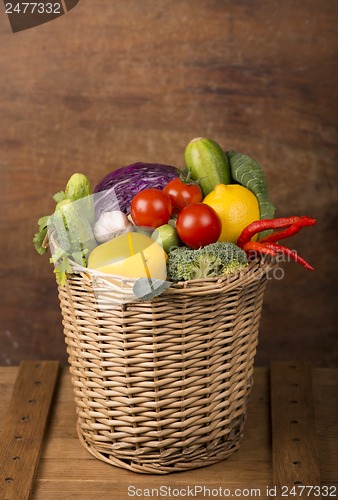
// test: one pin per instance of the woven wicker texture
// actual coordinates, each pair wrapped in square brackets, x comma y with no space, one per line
[162,385]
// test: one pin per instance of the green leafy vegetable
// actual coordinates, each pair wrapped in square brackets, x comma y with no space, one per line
[40,236]
[249,174]
[71,227]
[73,233]
[62,265]
[60,196]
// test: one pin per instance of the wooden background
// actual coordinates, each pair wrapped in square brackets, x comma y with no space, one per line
[111,83]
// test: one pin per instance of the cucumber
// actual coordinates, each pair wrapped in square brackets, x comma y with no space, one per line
[208,163]
[78,186]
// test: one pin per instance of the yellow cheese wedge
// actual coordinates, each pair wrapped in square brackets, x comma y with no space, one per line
[133,255]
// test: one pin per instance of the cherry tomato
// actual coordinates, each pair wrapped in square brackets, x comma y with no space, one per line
[198,225]
[183,193]
[151,207]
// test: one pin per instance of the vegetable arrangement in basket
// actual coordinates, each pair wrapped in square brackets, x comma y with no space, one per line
[159,222]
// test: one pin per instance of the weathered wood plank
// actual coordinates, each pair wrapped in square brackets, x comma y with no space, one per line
[23,429]
[294,441]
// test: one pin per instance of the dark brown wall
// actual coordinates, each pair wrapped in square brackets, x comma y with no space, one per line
[111,83]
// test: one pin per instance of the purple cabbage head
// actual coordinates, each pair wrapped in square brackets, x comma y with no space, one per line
[117,189]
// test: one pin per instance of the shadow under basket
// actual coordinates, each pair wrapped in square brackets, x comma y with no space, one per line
[162,386]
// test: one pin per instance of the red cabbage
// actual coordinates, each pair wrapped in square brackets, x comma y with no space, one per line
[117,189]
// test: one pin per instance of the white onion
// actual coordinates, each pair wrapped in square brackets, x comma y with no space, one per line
[110,225]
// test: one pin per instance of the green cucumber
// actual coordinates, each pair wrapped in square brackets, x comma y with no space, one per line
[78,186]
[208,163]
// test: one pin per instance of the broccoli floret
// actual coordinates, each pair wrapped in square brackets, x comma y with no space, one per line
[216,259]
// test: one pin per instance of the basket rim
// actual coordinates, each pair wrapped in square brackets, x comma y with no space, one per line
[256,270]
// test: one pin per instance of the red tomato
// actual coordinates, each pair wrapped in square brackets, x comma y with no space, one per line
[198,225]
[182,193]
[151,207]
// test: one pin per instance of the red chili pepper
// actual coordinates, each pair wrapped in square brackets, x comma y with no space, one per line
[267,244]
[256,246]
[295,222]
[290,253]
[289,231]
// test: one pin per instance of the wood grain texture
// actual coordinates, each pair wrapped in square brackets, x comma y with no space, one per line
[111,83]
[23,428]
[66,470]
[295,454]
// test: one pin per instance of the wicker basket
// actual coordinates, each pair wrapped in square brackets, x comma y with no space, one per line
[162,385]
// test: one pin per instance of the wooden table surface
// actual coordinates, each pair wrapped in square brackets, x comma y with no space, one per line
[67,471]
